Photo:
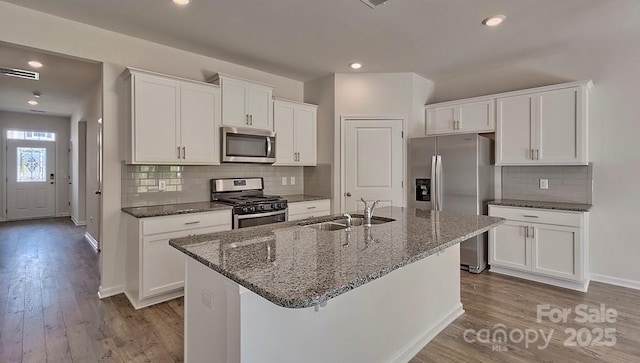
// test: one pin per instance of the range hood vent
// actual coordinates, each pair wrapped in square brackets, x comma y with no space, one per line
[374,3]
[19,73]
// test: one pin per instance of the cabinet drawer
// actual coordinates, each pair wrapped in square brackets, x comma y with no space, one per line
[184,222]
[314,206]
[534,215]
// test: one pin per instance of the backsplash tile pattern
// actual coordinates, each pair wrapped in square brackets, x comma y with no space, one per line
[567,184]
[185,184]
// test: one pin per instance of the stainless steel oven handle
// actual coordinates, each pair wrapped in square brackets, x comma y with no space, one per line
[268,146]
[247,216]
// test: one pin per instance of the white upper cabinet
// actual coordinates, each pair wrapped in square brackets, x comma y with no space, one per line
[546,127]
[460,117]
[170,120]
[245,103]
[296,136]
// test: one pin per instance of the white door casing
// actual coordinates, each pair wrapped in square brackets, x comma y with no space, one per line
[31,193]
[372,160]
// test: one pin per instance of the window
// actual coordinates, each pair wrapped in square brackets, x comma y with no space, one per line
[32,164]
[31,135]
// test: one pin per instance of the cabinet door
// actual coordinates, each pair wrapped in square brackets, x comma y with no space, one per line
[561,127]
[162,266]
[156,119]
[284,115]
[234,103]
[515,123]
[259,107]
[555,251]
[440,120]
[305,136]
[476,117]
[509,246]
[198,125]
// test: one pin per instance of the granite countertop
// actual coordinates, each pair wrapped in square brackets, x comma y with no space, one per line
[302,198]
[573,207]
[172,209]
[295,266]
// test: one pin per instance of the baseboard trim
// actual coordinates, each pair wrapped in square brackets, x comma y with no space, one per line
[616,281]
[110,291]
[78,223]
[581,286]
[410,350]
[140,304]
[92,241]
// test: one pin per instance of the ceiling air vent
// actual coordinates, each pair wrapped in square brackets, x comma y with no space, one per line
[20,73]
[373,3]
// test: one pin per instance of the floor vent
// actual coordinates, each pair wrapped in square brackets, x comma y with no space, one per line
[374,3]
[20,73]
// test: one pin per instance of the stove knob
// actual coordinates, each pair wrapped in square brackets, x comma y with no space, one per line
[245,209]
[252,209]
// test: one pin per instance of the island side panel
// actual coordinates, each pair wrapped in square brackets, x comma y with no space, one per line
[212,315]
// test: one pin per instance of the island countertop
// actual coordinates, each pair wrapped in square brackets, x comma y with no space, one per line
[295,266]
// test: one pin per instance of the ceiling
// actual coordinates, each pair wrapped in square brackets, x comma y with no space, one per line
[64,82]
[305,39]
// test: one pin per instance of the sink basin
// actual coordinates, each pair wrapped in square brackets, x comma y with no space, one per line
[341,223]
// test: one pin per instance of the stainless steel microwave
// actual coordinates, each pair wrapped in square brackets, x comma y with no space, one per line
[243,145]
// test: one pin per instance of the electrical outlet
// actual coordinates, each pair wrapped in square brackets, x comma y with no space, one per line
[544,183]
[293,180]
[284,180]
[162,185]
[207,298]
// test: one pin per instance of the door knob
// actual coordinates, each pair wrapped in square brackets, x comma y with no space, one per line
[348,194]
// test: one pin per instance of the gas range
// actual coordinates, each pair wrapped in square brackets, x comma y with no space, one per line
[251,207]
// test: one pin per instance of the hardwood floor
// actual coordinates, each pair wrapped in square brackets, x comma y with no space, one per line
[49,311]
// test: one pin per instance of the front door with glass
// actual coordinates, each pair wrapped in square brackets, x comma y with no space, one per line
[31,190]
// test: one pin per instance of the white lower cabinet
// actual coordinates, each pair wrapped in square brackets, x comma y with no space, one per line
[541,245]
[309,209]
[155,270]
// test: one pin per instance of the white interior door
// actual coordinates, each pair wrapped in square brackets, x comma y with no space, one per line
[31,189]
[373,163]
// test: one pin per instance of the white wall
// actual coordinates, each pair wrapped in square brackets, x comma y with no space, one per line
[393,95]
[47,32]
[36,122]
[613,137]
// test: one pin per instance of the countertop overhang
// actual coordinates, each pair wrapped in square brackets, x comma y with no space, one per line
[295,266]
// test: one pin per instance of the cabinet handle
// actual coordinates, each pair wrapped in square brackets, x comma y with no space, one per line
[297,156]
[530,216]
[537,154]
[533,232]
[194,222]
[311,207]
[246,119]
[250,119]
[184,152]
[178,152]
[531,152]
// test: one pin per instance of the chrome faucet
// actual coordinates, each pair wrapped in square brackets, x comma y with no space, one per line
[348,216]
[368,211]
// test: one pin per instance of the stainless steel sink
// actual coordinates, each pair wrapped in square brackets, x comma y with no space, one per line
[341,223]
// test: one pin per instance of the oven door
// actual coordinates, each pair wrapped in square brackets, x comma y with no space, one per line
[242,145]
[258,219]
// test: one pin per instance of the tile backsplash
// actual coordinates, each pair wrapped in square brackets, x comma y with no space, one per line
[567,184]
[185,184]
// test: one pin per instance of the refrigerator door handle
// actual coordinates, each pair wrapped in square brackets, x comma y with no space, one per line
[434,187]
[440,186]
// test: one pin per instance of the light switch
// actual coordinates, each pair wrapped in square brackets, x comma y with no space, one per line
[162,184]
[207,298]
[544,183]
[293,180]
[284,180]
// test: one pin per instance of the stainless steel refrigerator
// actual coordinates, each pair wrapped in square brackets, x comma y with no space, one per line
[454,173]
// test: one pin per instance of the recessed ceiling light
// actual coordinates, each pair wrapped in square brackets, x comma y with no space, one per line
[494,20]
[355,65]
[35,64]
[181,2]
[32,102]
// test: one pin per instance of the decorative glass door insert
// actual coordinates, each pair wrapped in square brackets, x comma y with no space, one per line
[32,164]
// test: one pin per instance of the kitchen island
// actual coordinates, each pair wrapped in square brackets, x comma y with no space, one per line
[287,292]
